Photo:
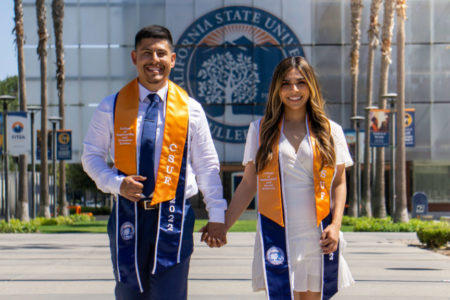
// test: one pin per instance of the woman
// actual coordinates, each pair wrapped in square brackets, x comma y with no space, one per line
[295,161]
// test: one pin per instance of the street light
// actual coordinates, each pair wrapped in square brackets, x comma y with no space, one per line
[33,109]
[54,120]
[391,97]
[357,120]
[5,99]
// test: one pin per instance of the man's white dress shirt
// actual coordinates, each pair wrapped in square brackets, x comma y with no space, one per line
[203,166]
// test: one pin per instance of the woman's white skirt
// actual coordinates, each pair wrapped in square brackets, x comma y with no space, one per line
[306,264]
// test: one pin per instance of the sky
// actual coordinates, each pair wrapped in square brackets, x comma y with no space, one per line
[8,57]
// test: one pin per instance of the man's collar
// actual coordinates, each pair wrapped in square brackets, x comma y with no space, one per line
[162,93]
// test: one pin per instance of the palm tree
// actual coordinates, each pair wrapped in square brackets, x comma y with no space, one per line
[379,200]
[373,33]
[58,20]
[356,9]
[23,182]
[44,208]
[401,211]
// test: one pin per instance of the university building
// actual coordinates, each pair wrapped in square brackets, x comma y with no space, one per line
[236,45]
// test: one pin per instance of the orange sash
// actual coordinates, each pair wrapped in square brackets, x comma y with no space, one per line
[270,202]
[175,134]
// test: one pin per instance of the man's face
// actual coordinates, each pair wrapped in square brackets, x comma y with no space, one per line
[153,59]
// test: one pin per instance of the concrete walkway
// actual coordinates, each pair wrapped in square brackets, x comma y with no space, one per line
[77,266]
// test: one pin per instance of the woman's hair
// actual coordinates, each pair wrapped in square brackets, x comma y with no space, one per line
[320,125]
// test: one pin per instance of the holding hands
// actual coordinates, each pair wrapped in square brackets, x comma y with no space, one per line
[214,234]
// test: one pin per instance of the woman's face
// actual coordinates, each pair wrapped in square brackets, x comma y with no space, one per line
[294,91]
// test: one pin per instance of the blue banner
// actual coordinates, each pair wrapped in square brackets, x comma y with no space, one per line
[64,144]
[410,140]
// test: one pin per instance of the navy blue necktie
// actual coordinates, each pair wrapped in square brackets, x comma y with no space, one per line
[148,141]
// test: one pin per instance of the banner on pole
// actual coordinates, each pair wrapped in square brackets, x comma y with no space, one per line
[64,144]
[379,127]
[18,133]
[410,137]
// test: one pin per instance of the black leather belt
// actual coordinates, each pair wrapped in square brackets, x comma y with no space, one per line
[146,204]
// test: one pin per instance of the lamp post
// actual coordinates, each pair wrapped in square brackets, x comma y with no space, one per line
[54,120]
[357,120]
[33,109]
[391,97]
[5,99]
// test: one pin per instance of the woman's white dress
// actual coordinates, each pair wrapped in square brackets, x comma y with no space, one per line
[298,187]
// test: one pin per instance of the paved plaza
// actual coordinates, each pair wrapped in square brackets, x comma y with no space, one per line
[77,266]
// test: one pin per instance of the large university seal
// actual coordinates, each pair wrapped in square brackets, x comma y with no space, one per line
[225,59]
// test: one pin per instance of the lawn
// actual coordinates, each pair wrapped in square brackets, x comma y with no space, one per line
[100,227]
[85,227]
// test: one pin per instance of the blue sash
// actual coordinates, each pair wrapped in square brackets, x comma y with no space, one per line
[170,228]
[169,235]
[276,262]
[275,258]
[126,243]
[330,268]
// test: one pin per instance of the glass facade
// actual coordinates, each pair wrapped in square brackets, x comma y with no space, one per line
[99,36]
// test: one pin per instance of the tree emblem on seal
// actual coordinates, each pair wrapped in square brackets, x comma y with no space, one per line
[227,78]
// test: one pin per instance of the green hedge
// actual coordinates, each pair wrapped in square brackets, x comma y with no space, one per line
[434,235]
[17,226]
[365,224]
[430,233]
[61,220]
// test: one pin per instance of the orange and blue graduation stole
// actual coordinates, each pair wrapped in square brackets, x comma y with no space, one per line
[274,225]
[169,187]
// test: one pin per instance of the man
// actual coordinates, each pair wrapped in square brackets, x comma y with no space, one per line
[159,140]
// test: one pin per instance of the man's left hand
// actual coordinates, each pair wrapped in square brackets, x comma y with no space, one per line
[214,234]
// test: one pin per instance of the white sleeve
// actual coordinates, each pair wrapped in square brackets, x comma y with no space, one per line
[206,166]
[97,147]
[340,145]
[252,143]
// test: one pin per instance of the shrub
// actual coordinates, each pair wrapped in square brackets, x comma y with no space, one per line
[349,221]
[103,210]
[386,225]
[81,218]
[61,220]
[17,226]
[434,234]
[44,221]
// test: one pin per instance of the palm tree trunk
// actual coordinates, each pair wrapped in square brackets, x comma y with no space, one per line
[401,211]
[23,209]
[44,207]
[379,200]
[58,20]
[373,44]
[356,9]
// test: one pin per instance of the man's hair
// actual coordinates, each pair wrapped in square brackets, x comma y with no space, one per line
[155,32]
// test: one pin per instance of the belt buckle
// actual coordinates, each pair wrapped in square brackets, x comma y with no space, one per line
[148,205]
